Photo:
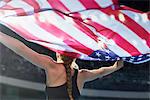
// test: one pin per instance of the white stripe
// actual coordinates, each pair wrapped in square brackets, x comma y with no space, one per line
[118,50]
[110,44]
[21,4]
[114,47]
[6,13]
[43,4]
[141,19]
[117,27]
[2,3]
[58,47]
[73,5]
[19,83]
[39,32]
[104,3]
[27,22]
[71,30]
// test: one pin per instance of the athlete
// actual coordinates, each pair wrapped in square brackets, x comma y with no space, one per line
[63,78]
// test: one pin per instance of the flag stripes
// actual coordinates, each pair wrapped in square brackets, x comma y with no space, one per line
[113,25]
[109,34]
[80,27]
[69,40]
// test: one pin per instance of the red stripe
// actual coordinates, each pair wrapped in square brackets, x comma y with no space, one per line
[116,37]
[89,4]
[56,4]
[25,34]
[7,0]
[59,6]
[85,30]
[76,15]
[70,54]
[6,7]
[116,2]
[148,13]
[64,36]
[19,11]
[131,24]
[34,4]
[77,23]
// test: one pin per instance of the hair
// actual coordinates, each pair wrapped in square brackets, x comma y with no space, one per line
[67,63]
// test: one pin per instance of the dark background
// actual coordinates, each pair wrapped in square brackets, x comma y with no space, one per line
[142,5]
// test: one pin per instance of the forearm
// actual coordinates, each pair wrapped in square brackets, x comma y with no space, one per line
[89,75]
[108,70]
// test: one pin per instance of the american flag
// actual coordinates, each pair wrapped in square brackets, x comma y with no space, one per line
[87,29]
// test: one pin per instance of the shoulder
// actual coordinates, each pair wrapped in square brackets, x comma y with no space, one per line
[53,66]
[50,63]
[83,72]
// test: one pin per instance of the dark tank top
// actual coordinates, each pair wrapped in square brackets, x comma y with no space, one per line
[60,92]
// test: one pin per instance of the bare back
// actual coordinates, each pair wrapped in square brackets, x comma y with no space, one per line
[57,76]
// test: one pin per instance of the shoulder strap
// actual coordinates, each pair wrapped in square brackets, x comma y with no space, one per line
[75,73]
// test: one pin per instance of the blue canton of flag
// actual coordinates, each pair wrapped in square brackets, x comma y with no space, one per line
[137,59]
[105,55]
[108,55]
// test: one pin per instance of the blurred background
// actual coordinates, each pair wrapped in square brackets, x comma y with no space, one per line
[20,80]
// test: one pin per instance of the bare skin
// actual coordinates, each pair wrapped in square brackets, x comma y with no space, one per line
[55,70]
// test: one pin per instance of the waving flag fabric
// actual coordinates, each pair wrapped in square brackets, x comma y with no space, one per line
[87,29]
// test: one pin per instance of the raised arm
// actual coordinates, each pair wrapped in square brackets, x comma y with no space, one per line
[89,75]
[21,49]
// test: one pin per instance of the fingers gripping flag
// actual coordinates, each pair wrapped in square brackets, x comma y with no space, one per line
[87,29]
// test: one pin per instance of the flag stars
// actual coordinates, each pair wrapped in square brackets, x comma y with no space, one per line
[139,59]
[148,55]
[107,57]
[131,59]
[98,54]
[107,51]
